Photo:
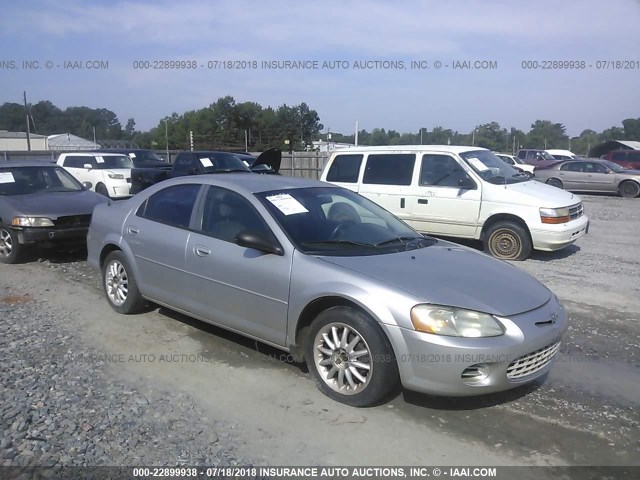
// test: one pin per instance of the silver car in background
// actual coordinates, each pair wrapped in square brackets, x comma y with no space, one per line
[334,279]
[598,176]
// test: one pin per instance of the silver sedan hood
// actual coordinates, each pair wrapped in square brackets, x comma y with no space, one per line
[447,274]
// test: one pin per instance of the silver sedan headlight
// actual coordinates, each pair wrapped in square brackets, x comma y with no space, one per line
[32,222]
[455,322]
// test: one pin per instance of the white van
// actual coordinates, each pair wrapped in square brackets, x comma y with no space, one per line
[464,192]
[108,173]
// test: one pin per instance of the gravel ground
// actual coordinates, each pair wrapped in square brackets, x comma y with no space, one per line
[60,408]
[63,405]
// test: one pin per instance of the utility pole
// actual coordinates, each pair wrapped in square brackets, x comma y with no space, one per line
[421,129]
[94,135]
[166,139]
[191,139]
[246,141]
[473,137]
[356,137]
[26,111]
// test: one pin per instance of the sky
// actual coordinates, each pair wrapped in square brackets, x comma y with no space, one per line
[513,39]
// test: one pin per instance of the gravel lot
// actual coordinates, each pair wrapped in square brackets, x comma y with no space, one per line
[76,390]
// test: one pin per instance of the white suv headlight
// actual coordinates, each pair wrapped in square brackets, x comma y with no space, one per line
[32,222]
[455,322]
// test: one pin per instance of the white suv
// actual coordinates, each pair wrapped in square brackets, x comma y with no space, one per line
[108,173]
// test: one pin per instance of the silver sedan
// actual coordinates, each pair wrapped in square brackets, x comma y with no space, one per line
[591,176]
[332,278]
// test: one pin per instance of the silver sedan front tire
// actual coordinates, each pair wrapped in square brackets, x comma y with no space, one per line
[350,357]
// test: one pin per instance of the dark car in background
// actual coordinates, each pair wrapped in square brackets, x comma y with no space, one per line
[203,162]
[591,176]
[536,157]
[41,204]
[141,158]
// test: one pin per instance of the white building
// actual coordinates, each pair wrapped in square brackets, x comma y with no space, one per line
[69,141]
[324,146]
[17,141]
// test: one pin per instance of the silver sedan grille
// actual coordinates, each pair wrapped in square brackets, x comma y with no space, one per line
[532,362]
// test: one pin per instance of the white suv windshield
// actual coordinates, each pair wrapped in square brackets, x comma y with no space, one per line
[492,169]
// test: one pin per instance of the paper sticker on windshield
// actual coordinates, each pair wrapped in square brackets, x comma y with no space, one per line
[99,159]
[7,177]
[206,162]
[478,164]
[287,204]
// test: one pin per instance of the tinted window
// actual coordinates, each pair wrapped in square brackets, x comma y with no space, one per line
[172,206]
[522,154]
[618,155]
[441,171]
[112,161]
[226,214]
[345,168]
[594,168]
[389,169]
[182,164]
[633,157]
[572,167]
[77,161]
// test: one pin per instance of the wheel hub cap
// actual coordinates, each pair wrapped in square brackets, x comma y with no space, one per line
[342,358]
[5,243]
[117,283]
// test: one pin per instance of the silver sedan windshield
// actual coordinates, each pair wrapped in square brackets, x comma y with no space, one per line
[337,221]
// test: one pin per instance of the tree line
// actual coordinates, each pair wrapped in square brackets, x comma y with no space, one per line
[226,124]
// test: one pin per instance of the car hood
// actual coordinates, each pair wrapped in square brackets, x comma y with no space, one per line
[272,158]
[447,274]
[630,173]
[55,204]
[531,193]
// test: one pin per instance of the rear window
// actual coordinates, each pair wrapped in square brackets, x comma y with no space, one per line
[389,169]
[345,168]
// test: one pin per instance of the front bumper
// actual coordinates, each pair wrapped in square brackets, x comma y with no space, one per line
[120,190]
[556,237]
[439,365]
[30,235]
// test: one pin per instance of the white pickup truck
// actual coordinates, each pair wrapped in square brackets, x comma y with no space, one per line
[464,192]
[108,173]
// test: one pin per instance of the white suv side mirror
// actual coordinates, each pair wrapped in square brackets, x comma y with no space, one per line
[88,166]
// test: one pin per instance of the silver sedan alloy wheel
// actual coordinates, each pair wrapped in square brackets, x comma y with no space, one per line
[6,244]
[343,358]
[116,282]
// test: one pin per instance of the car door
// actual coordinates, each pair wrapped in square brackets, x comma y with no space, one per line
[572,176]
[387,181]
[157,234]
[446,199]
[237,287]
[599,178]
[74,164]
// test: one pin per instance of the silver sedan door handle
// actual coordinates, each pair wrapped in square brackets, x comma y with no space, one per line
[202,251]
[133,230]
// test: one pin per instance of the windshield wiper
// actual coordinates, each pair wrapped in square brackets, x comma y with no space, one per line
[340,242]
[406,240]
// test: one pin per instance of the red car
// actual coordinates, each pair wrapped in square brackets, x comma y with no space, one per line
[625,158]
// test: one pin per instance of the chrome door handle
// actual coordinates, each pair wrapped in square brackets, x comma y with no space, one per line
[133,230]
[202,251]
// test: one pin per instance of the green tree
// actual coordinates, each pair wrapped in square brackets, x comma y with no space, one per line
[546,134]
